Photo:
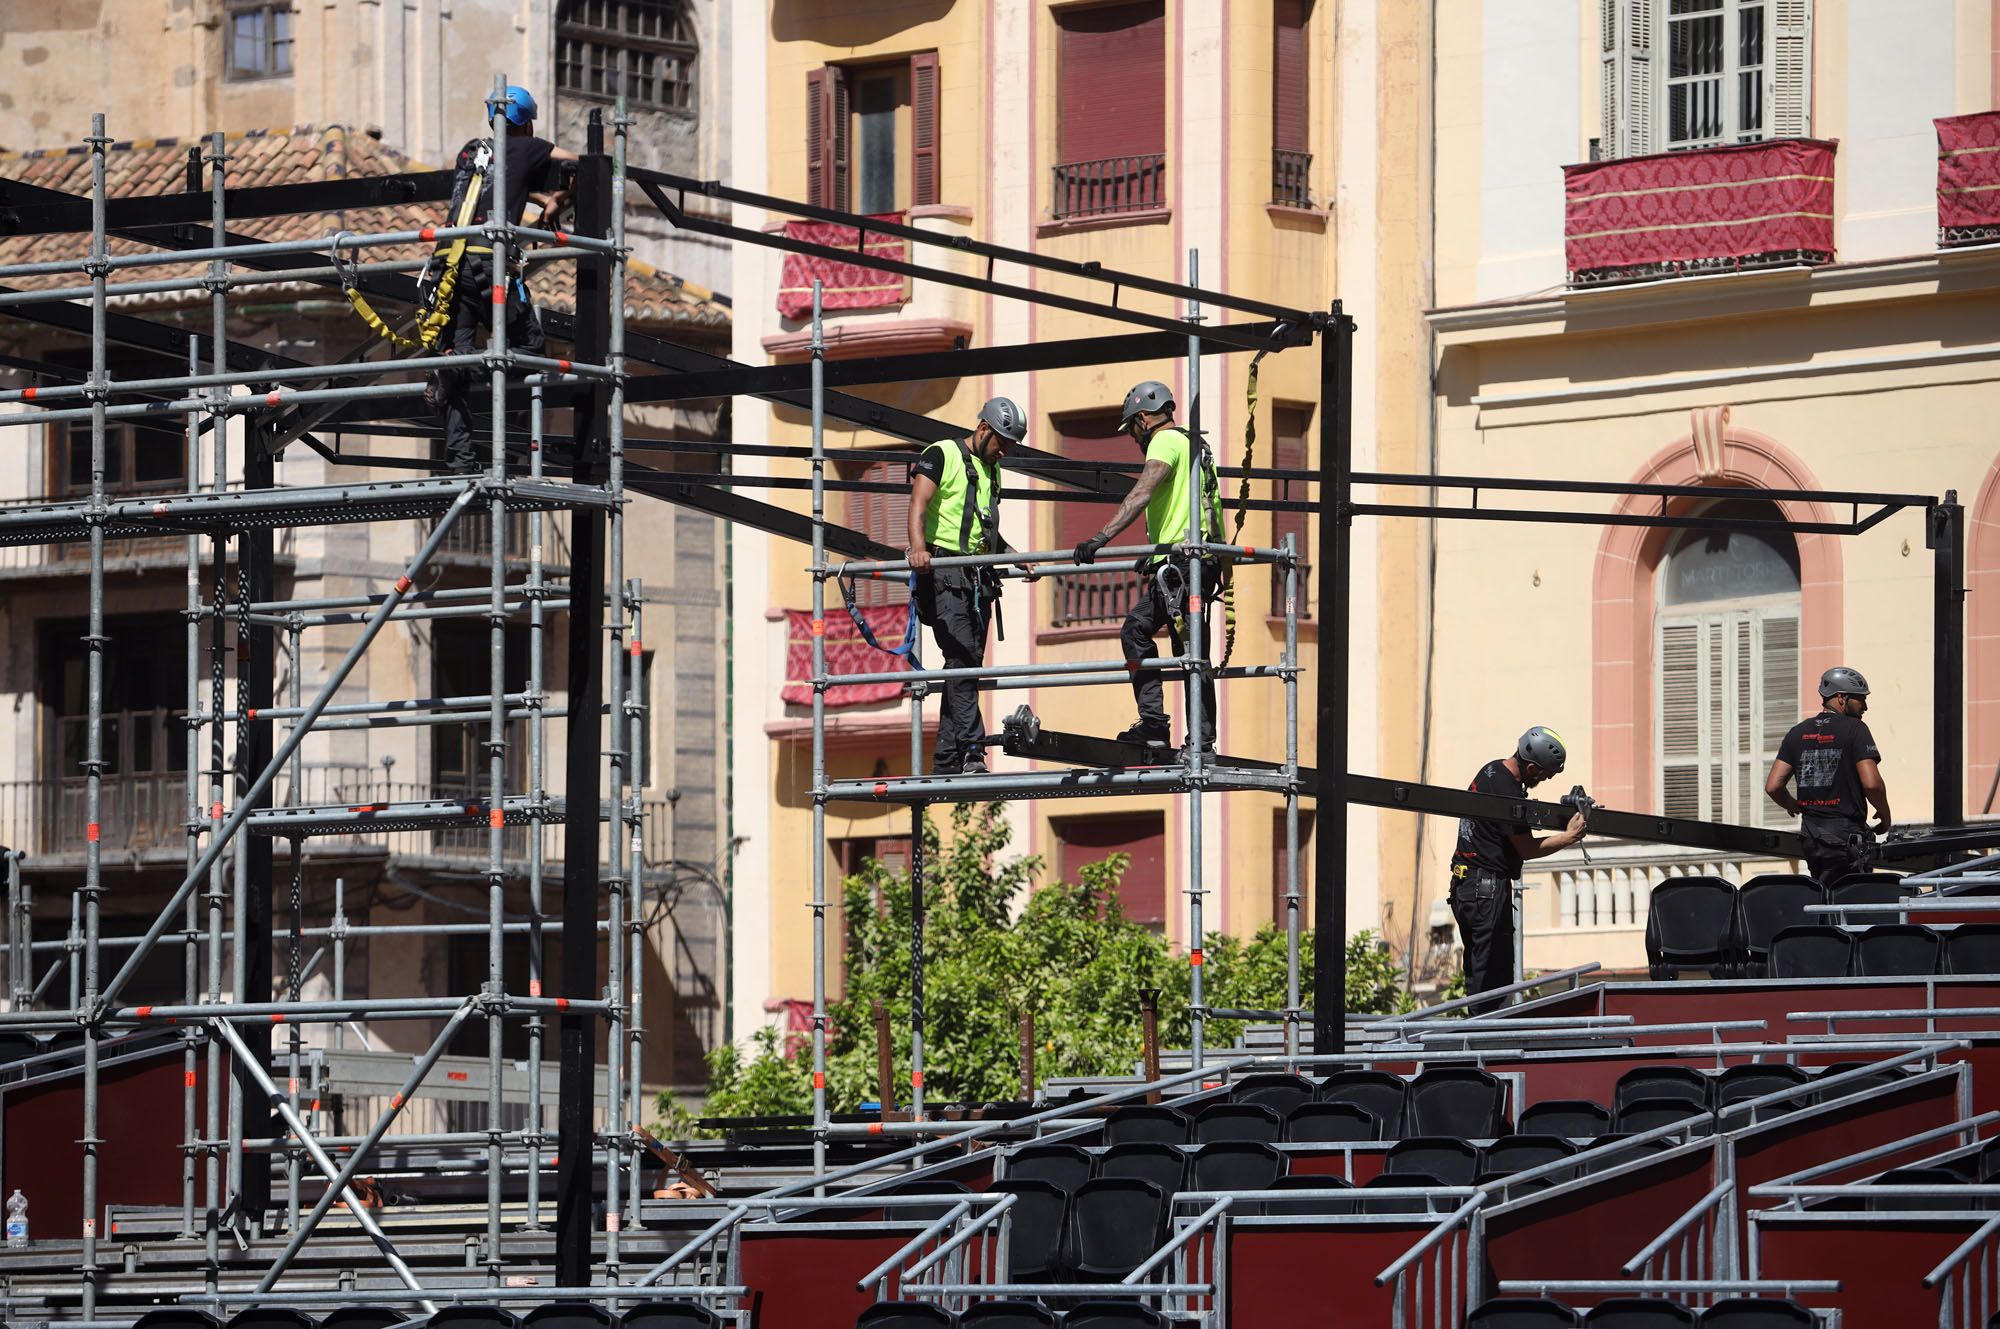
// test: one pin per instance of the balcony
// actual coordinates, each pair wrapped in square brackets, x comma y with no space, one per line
[1111,186]
[469,542]
[1722,209]
[141,818]
[1291,185]
[1968,187]
[1093,599]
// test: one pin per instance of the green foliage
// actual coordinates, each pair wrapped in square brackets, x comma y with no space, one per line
[995,949]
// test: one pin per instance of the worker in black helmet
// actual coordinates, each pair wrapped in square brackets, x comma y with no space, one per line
[1162,492]
[1487,861]
[1838,767]
[955,509]
[534,174]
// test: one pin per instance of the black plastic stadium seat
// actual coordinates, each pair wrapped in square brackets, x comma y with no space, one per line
[1922,1176]
[1063,1165]
[1330,1123]
[1866,888]
[1146,1121]
[381,1317]
[1458,1100]
[1517,1153]
[1116,1223]
[1972,948]
[1889,949]
[1038,1220]
[1007,1315]
[1986,1163]
[1162,1164]
[1756,1079]
[1237,1121]
[923,1213]
[1398,1205]
[1766,905]
[1379,1092]
[1758,1313]
[176,1317]
[1571,1118]
[1276,1090]
[1639,1313]
[1649,1114]
[1815,950]
[567,1315]
[271,1317]
[905,1315]
[1682,1082]
[667,1315]
[1452,1161]
[1889,1075]
[1523,1313]
[1689,924]
[474,1317]
[19,1046]
[1305,1181]
[1235,1165]
[1112,1315]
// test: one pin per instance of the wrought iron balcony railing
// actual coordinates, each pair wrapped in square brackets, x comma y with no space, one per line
[1110,186]
[1291,184]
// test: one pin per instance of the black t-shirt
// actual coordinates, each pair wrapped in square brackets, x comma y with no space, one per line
[531,169]
[929,462]
[1485,846]
[1822,750]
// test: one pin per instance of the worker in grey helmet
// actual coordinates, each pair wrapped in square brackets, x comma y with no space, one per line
[1161,491]
[1488,858]
[955,509]
[1838,768]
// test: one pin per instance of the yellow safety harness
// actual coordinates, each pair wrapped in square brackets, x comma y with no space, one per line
[434,298]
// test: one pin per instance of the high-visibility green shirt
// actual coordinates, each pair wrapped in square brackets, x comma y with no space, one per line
[1167,509]
[948,523]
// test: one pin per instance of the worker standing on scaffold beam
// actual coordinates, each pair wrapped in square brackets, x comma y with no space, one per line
[1487,861]
[532,174]
[955,509]
[1838,765]
[1162,490]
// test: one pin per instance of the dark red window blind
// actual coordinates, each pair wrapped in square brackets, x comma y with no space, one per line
[1288,453]
[1112,135]
[924,129]
[1143,889]
[880,516]
[1288,75]
[1092,597]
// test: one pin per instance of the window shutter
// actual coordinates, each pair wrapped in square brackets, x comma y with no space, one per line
[1779,670]
[1112,80]
[1789,113]
[1626,57]
[1143,889]
[1289,89]
[1743,741]
[1288,453]
[1680,719]
[924,182]
[826,137]
[884,517]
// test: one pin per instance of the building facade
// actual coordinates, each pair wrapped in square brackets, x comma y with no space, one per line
[419,86]
[1268,137]
[1714,244]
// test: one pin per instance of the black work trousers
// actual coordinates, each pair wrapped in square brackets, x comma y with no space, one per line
[1835,846]
[471,317]
[1483,903]
[959,614]
[1156,609]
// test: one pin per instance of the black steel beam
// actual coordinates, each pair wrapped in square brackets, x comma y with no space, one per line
[766,517]
[657,183]
[27,209]
[1668,522]
[1623,489]
[1336,575]
[1948,718]
[583,769]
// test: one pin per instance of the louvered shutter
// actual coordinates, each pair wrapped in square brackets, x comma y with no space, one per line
[1743,741]
[1288,453]
[827,129]
[1778,668]
[1680,719]
[884,517]
[1789,113]
[1112,78]
[1142,890]
[1289,105]
[1625,55]
[924,130]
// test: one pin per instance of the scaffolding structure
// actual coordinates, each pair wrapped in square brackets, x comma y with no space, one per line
[246,1107]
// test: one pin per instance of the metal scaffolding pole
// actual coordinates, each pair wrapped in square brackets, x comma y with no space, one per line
[1195,649]
[537,819]
[819,1111]
[616,1135]
[498,215]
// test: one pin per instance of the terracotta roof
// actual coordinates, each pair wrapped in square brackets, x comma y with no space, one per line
[290,156]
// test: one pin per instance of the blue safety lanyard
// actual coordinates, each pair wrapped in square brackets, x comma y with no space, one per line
[861,621]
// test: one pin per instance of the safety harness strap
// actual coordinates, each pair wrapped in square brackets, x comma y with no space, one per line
[433,313]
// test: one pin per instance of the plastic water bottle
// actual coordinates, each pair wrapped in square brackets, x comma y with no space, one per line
[17,1221]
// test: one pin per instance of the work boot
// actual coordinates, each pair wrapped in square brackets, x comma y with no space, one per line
[974,765]
[1151,733]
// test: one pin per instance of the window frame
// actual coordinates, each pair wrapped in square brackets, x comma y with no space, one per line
[1729,77]
[628,44]
[271,10]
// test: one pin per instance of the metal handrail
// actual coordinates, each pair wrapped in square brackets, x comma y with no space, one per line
[1460,1003]
[1452,1221]
[1180,1239]
[964,1234]
[1963,1251]
[1679,1225]
[914,1244]
[1885,1150]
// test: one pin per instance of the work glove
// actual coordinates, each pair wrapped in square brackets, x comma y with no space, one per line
[1087,551]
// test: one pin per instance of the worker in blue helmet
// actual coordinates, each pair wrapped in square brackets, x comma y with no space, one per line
[535,173]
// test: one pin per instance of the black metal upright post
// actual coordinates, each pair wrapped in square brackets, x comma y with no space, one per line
[1336,472]
[1947,540]
[583,771]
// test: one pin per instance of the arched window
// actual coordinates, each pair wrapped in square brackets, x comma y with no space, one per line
[1728,653]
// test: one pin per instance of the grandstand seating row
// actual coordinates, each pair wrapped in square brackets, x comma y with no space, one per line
[1641,1313]
[549,1315]
[1010,1315]
[1808,950]
[1704,923]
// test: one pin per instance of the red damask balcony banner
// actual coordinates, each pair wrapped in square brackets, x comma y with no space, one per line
[1701,210]
[843,285]
[847,652]
[1969,174]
